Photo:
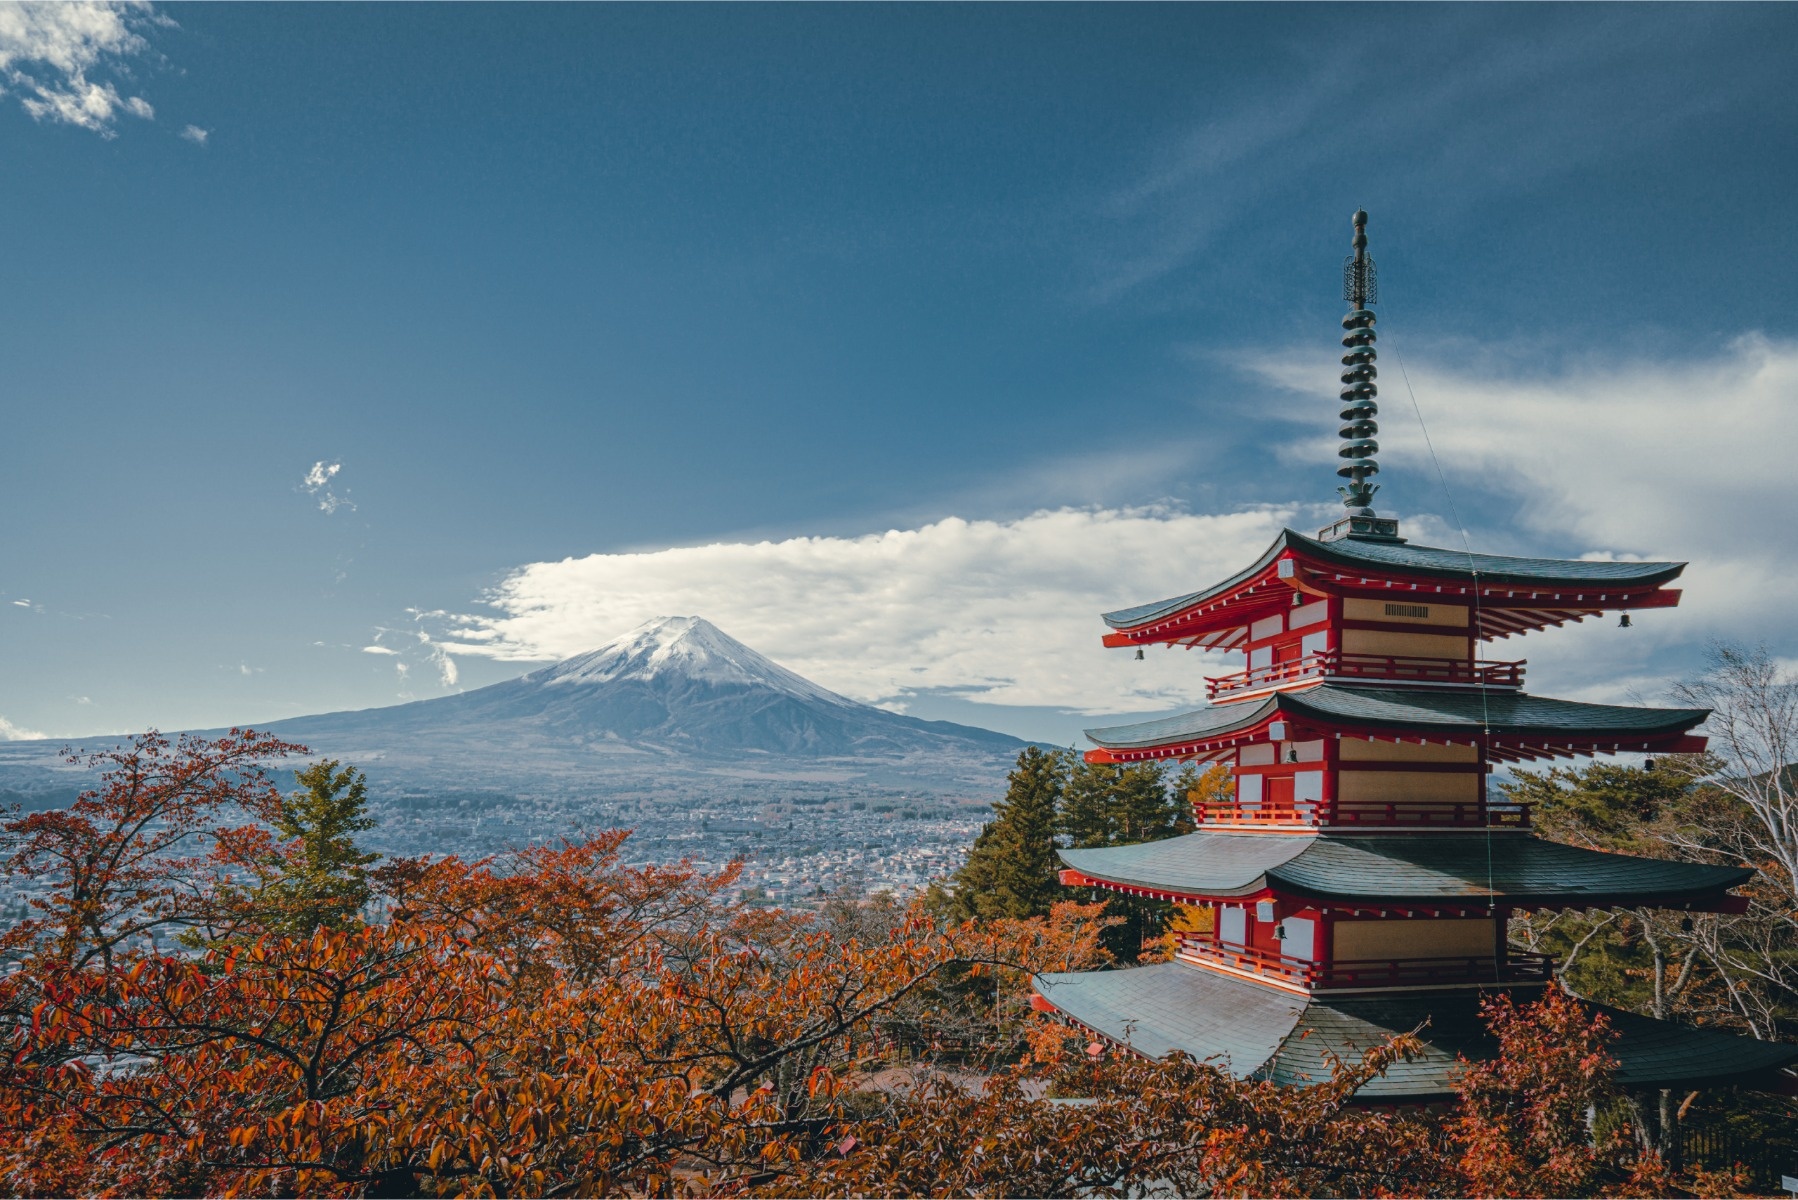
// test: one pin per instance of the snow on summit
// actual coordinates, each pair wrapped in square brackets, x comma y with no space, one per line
[684,647]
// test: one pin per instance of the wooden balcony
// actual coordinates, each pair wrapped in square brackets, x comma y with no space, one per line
[1335,665]
[1520,966]
[1367,813]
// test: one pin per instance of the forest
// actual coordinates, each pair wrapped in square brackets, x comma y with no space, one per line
[216,991]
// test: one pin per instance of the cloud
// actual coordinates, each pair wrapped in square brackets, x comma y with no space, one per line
[196,135]
[1676,459]
[378,650]
[21,604]
[1003,612]
[14,733]
[50,51]
[317,484]
[1685,459]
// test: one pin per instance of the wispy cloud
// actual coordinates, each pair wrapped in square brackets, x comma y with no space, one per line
[51,54]
[196,135]
[319,484]
[17,733]
[1466,101]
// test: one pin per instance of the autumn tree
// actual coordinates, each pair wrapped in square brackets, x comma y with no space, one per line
[133,859]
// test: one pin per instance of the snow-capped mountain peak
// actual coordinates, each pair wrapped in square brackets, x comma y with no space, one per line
[688,648]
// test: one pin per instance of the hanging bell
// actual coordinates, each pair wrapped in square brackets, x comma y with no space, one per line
[1139,654]
[1623,621]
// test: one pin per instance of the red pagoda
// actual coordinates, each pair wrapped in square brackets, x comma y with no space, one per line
[1362,874]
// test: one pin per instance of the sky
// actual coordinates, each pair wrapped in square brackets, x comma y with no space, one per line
[352,355]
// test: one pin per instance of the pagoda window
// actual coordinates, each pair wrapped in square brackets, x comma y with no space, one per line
[1267,627]
[1314,643]
[1256,756]
[1384,613]
[1261,656]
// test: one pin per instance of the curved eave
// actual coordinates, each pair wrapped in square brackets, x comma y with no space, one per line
[1511,725]
[1381,872]
[1513,595]
[1255,1031]
[1147,614]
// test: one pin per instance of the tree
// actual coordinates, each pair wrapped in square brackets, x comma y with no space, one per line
[115,865]
[1195,789]
[323,874]
[1012,869]
[1105,804]
[558,1022]
[1747,793]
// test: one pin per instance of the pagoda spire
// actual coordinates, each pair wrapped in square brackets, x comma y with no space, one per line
[1359,288]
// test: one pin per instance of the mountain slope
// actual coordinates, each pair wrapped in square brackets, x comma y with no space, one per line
[675,685]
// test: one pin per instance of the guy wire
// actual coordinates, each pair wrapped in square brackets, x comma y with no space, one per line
[1454,513]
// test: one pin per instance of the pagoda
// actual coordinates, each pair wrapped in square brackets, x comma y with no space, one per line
[1361,874]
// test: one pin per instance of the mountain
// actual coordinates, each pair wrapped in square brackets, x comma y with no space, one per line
[675,706]
[672,686]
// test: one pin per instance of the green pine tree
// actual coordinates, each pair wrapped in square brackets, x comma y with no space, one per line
[1012,869]
[325,877]
[1109,805]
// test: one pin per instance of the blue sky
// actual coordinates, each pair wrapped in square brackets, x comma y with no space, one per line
[601,312]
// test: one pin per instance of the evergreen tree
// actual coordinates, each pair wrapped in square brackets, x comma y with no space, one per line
[1193,788]
[1109,805]
[1012,869]
[324,878]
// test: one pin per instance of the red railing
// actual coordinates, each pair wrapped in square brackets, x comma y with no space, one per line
[1449,814]
[1369,666]
[1520,966]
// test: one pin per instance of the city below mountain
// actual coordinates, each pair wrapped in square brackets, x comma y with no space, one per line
[708,750]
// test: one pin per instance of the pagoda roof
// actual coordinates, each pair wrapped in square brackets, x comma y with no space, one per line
[1531,722]
[1262,1032]
[1443,869]
[1587,585]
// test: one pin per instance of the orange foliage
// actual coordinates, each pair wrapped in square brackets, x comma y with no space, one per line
[558,1022]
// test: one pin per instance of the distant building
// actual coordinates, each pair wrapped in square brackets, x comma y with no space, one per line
[1361,874]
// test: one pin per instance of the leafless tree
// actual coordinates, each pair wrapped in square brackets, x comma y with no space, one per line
[1751,818]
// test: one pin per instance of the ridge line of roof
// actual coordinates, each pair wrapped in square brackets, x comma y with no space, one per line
[1389,557]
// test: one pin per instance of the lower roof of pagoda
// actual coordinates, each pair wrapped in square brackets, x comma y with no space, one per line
[1534,724]
[1262,1032]
[1443,869]
[1511,595]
